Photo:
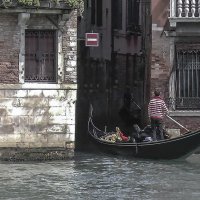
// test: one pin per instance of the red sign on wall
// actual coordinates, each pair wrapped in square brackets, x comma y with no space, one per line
[92,39]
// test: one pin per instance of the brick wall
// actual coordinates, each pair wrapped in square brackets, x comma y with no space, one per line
[9,48]
[191,123]
[160,69]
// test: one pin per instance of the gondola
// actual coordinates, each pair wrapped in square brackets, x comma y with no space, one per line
[179,147]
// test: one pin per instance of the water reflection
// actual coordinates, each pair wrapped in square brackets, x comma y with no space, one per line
[90,176]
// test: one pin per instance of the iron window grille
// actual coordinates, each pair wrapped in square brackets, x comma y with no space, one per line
[187,77]
[40,56]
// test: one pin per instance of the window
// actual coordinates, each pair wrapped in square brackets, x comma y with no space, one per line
[133,16]
[87,3]
[40,56]
[96,12]
[187,78]
[93,7]
[133,12]
[99,12]
[117,18]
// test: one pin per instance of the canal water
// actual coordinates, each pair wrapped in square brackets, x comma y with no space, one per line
[93,177]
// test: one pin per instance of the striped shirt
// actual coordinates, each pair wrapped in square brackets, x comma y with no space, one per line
[157,108]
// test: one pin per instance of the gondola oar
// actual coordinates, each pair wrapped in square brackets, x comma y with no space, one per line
[177,123]
[136,104]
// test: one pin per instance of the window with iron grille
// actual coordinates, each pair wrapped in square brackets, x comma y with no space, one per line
[40,56]
[187,77]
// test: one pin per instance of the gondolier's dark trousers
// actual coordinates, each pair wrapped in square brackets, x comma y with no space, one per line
[157,124]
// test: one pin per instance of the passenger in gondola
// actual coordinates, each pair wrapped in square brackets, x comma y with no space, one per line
[136,133]
[157,109]
[121,137]
[141,135]
[146,134]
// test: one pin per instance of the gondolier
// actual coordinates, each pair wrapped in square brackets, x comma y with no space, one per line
[157,109]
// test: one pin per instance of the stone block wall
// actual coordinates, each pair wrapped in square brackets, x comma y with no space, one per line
[70,50]
[37,118]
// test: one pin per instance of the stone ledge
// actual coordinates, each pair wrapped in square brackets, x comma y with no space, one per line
[37,86]
[188,113]
[35,10]
[35,154]
[174,20]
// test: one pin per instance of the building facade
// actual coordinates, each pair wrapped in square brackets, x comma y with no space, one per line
[38,78]
[175,58]
[114,77]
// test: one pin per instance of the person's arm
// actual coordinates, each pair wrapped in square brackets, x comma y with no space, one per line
[165,109]
[149,111]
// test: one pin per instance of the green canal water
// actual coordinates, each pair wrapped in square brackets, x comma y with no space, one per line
[93,177]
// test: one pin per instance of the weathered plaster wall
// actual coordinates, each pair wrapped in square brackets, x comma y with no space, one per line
[34,115]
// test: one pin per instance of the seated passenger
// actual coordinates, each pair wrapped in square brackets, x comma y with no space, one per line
[136,133]
[147,132]
[121,136]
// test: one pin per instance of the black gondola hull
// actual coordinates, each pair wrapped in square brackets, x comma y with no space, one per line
[182,146]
